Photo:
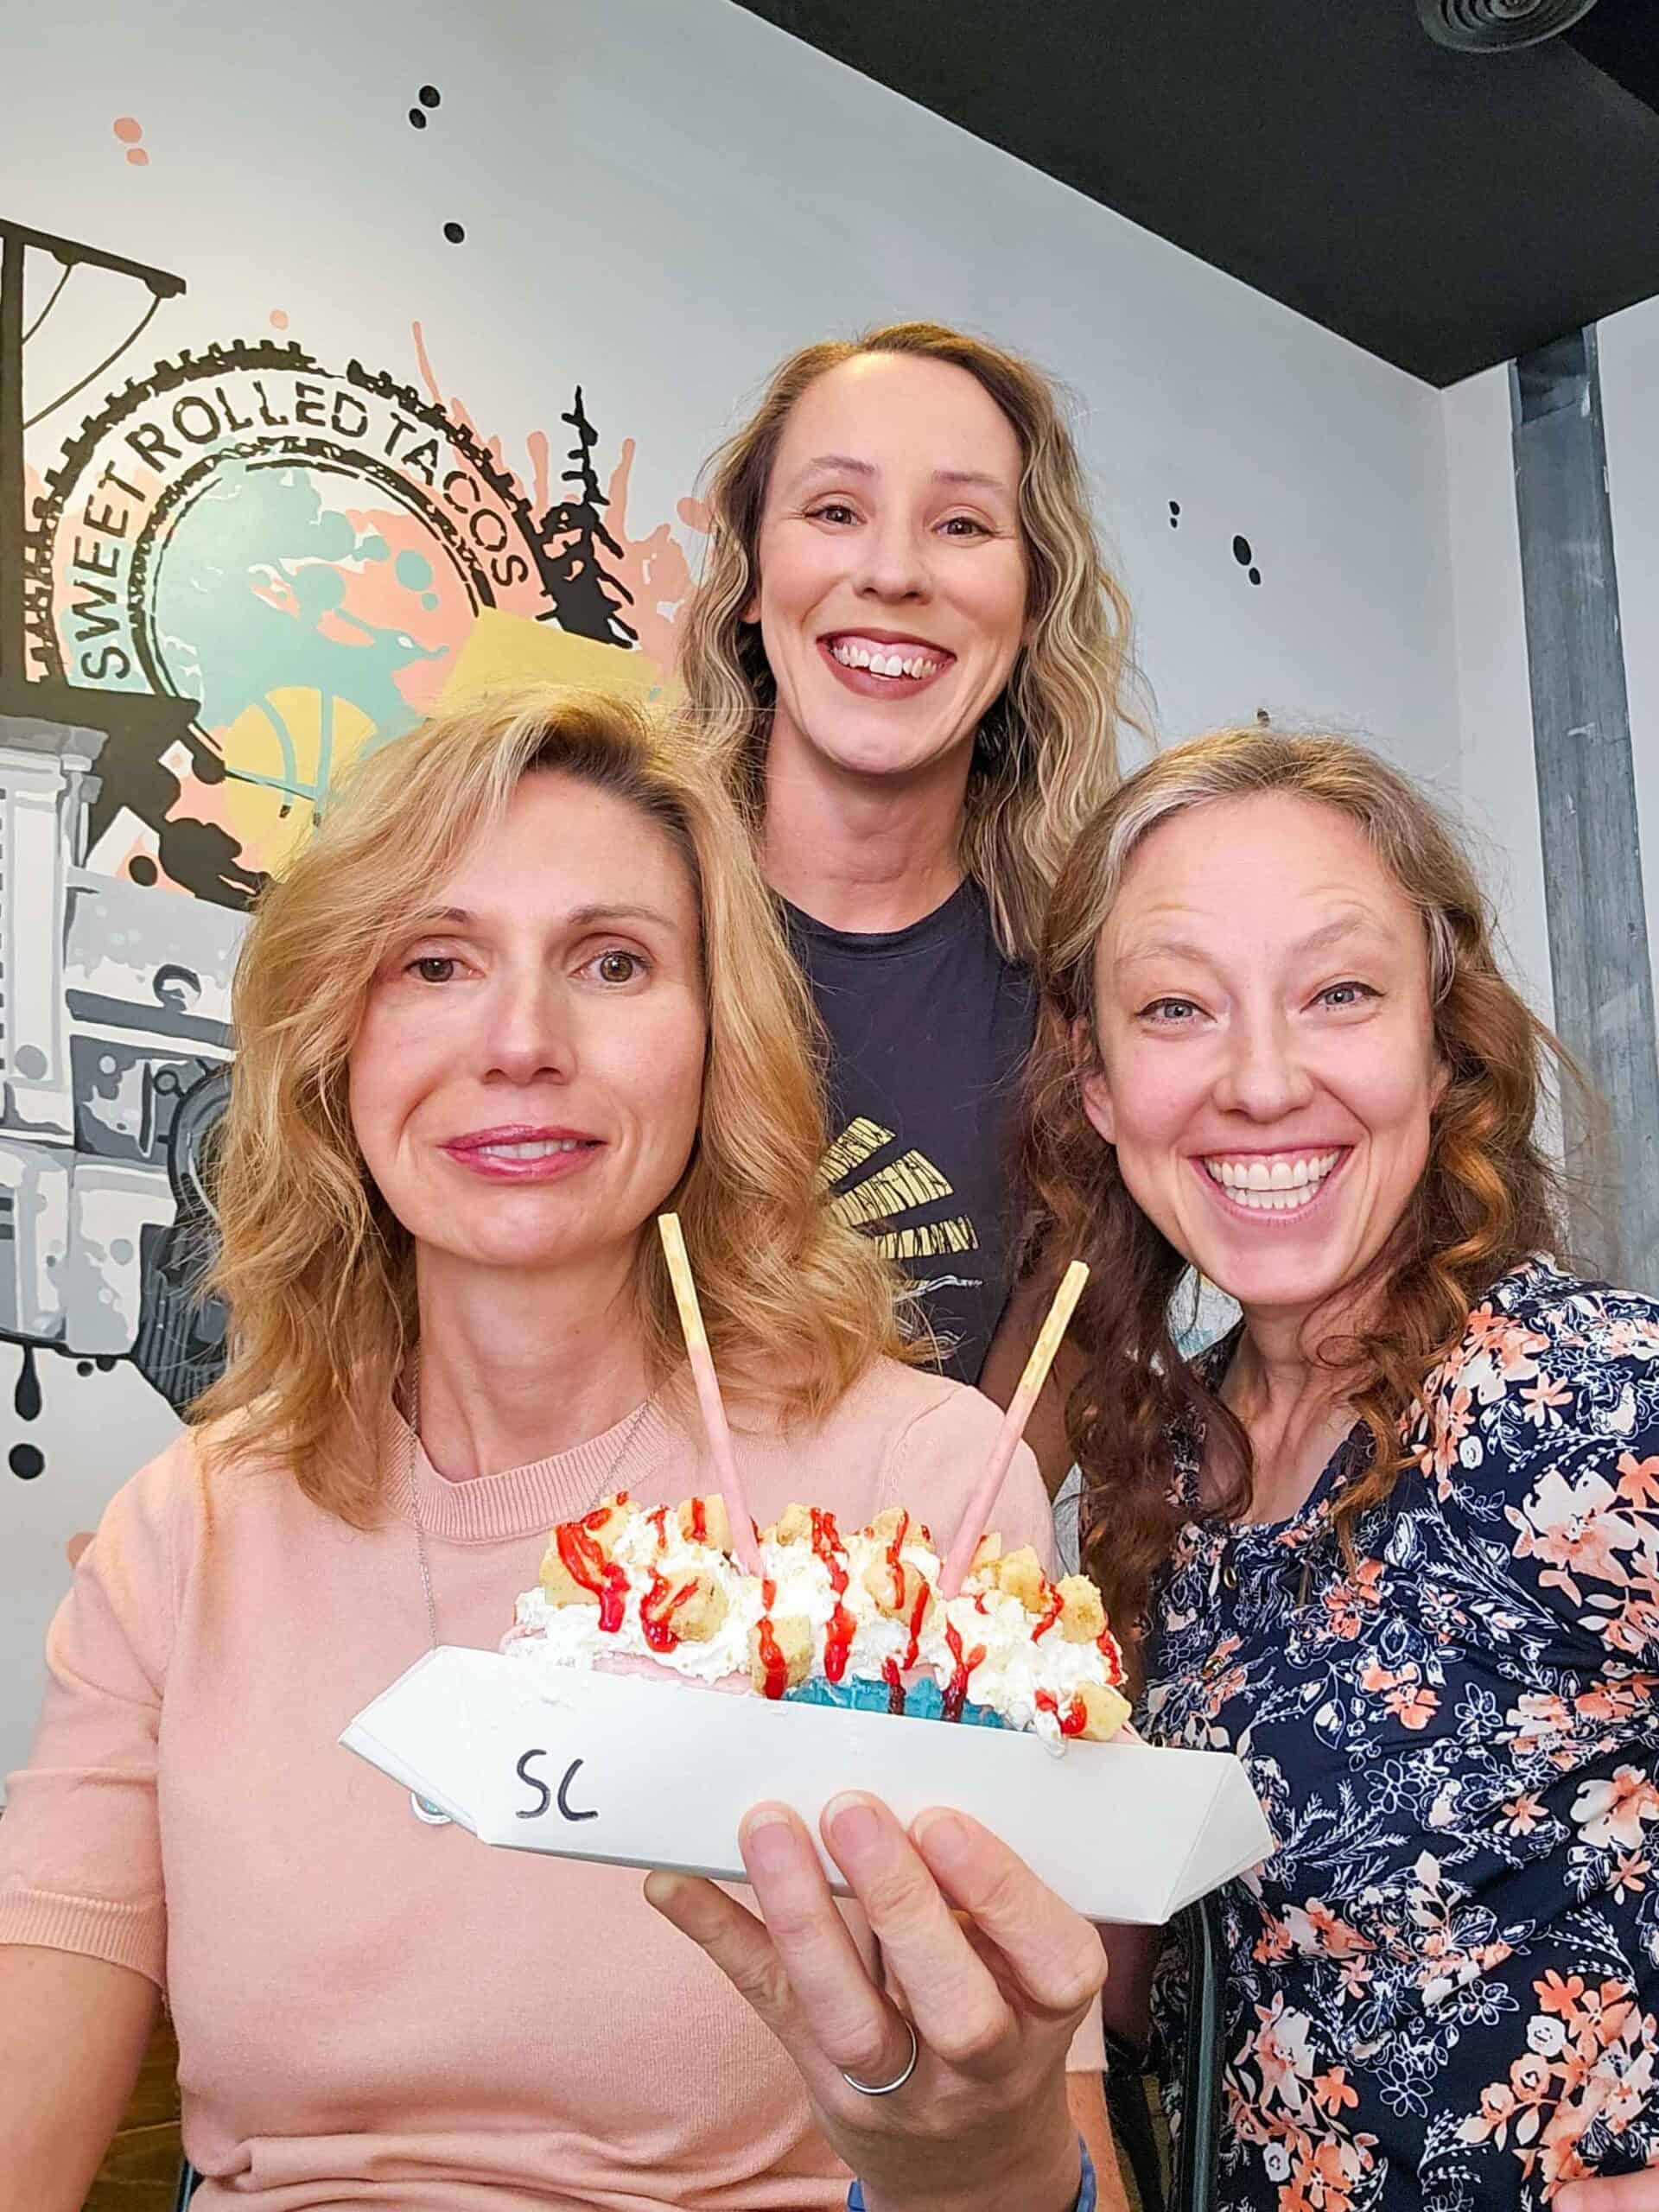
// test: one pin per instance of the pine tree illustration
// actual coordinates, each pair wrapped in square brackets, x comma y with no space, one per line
[587,598]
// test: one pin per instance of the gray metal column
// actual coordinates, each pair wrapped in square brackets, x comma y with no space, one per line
[1586,789]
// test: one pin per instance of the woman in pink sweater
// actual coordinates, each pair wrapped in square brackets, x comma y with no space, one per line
[522,993]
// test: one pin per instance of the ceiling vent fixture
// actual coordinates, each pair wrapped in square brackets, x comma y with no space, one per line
[1496,26]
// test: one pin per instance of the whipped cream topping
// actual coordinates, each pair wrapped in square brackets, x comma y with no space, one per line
[985,1642]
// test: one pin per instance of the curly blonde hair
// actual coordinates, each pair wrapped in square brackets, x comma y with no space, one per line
[318,1275]
[1046,752]
[1489,1196]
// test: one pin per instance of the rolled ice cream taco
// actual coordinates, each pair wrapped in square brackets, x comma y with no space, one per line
[875,1618]
[859,1620]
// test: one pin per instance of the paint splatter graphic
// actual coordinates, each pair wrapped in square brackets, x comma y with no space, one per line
[129,130]
[1246,559]
[255,566]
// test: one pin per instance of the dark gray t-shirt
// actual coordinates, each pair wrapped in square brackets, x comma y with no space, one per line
[930,1026]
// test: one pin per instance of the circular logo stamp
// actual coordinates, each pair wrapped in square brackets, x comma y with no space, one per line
[301,553]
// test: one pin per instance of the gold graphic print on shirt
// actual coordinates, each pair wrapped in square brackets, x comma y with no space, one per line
[886,1193]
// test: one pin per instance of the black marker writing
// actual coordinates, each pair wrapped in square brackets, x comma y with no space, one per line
[533,1812]
[568,1811]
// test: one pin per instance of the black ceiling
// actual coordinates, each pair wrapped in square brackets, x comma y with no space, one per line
[1443,210]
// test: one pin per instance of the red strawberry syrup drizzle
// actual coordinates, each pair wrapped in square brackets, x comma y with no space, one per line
[1072,1722]
[586,1564]
[654,1608]
[956,1695]
[838,1637]
[774,1666]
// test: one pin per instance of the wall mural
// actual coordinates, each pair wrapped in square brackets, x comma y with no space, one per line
[249,566]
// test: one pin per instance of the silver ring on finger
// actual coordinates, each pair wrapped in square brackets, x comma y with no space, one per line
[887,2089]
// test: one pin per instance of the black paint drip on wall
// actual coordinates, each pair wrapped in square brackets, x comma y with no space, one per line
[1245,558]
[26,1398]
[26,1461]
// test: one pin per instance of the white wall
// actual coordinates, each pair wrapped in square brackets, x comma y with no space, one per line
[1499,786]
[660,197]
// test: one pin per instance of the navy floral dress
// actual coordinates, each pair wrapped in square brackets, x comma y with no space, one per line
[1443,1987]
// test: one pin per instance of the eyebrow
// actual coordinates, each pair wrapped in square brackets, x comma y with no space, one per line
[579,917]
[848,464]
[1336,931]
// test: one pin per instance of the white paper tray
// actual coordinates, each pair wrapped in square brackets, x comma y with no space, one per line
[640,1773]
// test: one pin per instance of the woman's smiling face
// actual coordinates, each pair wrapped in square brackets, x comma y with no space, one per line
[1268,1065]
[526,1081]
[893,567]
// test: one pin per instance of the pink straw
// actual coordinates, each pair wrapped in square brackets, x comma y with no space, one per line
[974,1520]
[744,1548]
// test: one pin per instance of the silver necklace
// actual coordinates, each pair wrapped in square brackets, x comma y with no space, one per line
[422,1807]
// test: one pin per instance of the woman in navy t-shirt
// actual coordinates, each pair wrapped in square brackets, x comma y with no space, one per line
[910,658]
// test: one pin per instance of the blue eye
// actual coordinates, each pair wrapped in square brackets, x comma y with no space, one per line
[1168,1012]
[1341,996]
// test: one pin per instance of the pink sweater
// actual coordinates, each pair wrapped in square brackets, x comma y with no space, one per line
[370,2011]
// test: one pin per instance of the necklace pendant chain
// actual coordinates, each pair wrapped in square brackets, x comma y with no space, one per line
[422,1807]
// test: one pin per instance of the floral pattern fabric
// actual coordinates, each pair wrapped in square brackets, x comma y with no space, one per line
[1443,1987]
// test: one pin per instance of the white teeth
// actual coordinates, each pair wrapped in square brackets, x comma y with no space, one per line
[1283,1184]
[889,664]
[539,1149]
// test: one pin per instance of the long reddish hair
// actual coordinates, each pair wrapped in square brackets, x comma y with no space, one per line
[1489,1196]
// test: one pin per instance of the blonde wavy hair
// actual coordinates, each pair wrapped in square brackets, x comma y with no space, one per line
[318,1273]
[1488,1199]
[1046,752]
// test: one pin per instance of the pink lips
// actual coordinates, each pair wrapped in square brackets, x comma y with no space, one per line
[519,1154]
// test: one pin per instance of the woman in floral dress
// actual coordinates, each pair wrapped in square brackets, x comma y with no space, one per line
[1396,1540]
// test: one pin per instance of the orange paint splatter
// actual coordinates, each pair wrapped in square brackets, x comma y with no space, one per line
[541,471]
[278,320]
[138,157]
[128,130]
[654,569]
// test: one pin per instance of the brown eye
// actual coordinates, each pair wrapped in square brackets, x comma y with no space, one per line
[435,967]
[617,967]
